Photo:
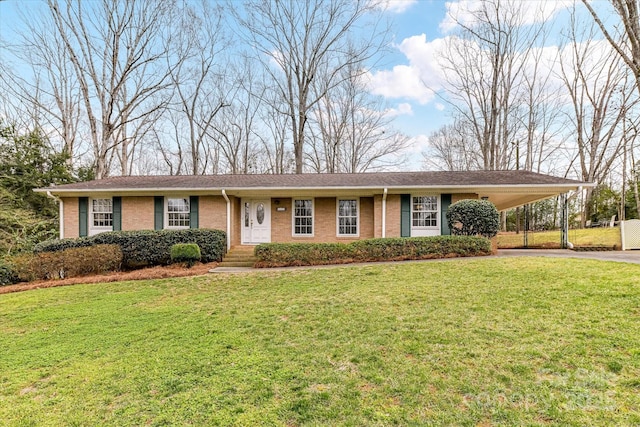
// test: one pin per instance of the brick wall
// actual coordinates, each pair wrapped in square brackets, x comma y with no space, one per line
[325,216]
[137,213]
[393,215]
[71,225]
[236,220]
[212,212]
[367,222]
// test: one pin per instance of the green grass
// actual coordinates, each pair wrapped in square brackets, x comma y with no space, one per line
[524,341]
[580,237]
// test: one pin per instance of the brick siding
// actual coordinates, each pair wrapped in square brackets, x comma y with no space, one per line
[137,213]
[71,227]
[212,212]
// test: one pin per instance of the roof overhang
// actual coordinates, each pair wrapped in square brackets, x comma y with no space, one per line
[504,196]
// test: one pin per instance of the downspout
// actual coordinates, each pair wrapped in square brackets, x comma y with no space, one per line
[60,213]
[384,213]
[226,198]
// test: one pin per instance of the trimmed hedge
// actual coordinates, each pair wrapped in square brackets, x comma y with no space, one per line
[471,217]
[188,253]
[149,247]
[56,245]
[71,262]
[370,250]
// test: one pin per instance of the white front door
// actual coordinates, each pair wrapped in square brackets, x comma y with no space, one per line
[256,221]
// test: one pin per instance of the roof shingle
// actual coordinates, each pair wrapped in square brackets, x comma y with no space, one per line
[310,181]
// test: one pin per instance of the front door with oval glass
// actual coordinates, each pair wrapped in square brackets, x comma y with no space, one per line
[256,221]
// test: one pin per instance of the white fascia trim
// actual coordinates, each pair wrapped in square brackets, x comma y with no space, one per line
[333,188]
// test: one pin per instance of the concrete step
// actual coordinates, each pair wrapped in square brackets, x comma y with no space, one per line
[236,264]
[239,257]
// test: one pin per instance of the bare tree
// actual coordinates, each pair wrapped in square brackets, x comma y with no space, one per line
[304,46]
[274,139]
[116,53]
[234,130]
[485,63]
[353,132]
[199,79]
[453,148]
[627,47]
[601,94]
[48,96]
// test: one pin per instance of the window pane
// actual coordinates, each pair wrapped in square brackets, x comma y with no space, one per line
[102,212]
[260,213]
[178,212]
[303,217]
[425,211]
[348,217]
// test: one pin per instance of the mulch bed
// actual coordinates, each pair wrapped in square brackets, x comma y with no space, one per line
[157,272]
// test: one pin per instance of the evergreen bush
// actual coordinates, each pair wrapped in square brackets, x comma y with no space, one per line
[473,218]
[188,253]
[7,273]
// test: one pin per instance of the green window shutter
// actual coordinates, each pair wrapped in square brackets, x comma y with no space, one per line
[83,219]
[405,215]
[193,214]
[445,201]
[116,204]
[158,213]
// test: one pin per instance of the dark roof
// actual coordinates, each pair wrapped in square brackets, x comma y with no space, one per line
[357,180]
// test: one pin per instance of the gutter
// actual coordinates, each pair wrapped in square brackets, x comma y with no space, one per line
[401,188]
[384,212]
[226,198]
[60,213]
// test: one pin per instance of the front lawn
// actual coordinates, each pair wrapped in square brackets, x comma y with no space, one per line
[523,341]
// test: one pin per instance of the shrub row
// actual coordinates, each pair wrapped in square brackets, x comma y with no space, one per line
[147,247]
[388,249]
[70,262]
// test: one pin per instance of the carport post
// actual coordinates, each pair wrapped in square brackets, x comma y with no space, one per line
[564,218]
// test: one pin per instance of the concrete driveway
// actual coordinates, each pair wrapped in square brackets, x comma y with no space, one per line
[618,256]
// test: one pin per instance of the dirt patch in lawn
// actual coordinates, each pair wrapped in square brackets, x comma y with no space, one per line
[157,272]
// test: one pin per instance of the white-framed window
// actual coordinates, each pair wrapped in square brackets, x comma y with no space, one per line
[302,217]
[101,215]
[177,212]
[425,212]
[348,211]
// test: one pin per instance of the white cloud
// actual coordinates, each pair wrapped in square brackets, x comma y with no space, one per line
[529,12]
[419,80]
[398,6]
[403,109]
